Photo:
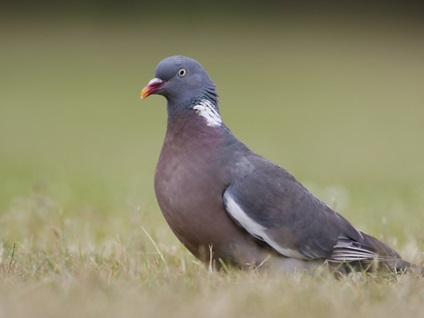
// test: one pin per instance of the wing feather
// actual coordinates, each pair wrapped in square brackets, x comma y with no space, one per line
[271,205]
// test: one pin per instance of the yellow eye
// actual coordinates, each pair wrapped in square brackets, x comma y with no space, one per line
[182,72]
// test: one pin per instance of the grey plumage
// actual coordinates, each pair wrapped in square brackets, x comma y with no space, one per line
[219,197]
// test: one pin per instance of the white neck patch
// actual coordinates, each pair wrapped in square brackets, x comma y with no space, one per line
[206,109]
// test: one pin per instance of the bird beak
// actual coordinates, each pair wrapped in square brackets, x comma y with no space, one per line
[152,87]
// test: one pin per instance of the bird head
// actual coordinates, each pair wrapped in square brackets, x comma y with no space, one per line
[180,79]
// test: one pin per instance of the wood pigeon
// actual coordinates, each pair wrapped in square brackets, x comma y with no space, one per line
[229,205]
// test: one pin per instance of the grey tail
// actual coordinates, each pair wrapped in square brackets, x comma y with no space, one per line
[367,254]
[386,255]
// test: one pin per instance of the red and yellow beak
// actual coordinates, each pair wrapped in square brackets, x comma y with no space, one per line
[152,87]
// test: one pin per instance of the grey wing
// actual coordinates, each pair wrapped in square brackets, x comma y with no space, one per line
[274,207]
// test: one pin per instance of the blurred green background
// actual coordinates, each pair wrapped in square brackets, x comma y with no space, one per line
[332,93]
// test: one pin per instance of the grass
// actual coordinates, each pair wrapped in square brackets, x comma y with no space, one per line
[340,107]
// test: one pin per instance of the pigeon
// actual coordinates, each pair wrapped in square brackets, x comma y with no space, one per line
[232,207]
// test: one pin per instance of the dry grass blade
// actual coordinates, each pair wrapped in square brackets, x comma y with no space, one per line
[156,247]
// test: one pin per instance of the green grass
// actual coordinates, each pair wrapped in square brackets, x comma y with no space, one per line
[341,107]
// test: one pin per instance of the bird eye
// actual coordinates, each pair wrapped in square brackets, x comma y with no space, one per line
[182,72]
